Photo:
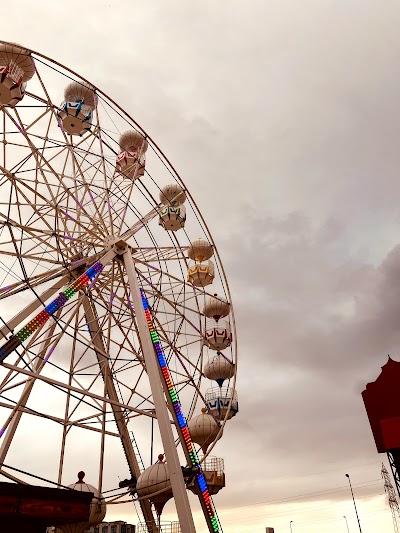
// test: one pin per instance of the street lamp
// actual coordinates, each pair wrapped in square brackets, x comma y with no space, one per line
[291,526]
[354,501]
[348,530]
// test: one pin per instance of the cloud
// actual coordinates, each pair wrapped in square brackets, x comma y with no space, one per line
[283,122]
[314,326]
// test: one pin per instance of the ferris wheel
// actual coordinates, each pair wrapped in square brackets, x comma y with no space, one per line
[117,328]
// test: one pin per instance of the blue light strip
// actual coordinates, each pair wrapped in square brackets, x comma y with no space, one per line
[180,416]
[41,318]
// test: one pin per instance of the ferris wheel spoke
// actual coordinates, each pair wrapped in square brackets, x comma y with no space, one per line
[126,193]
[46,140]
[14,419]
[43,166]
[78,157]
[25,245]
[12,477]
[172,345]
[19,168]
[162,253]
[33,149]
[37,97]
[82,173]
[98,341]
[47,233]
[17,184]
[63,386]
[88,199]
[124,330]
[180,308]
[65,324]
[79,283]
[70,424]
[135,386]
[98,173]
[141,223]
[32,231]
[26,256]
[27,127]
[97,135]
[46,276]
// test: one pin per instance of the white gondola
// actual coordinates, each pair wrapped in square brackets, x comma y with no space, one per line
[131,160]
[75,113]
[218,334]
[201,271]
[204,429]
[16,69]
[173,213]
[219,368]
[155,484]
[201,274]
[222,401]
[216,307]
[173,218]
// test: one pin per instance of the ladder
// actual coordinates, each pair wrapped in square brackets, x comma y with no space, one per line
[137,452]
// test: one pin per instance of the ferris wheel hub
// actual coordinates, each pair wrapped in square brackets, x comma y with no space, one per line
[115,243]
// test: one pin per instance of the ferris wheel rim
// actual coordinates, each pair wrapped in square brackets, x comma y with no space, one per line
[193,203]
[147,136]
[156,146]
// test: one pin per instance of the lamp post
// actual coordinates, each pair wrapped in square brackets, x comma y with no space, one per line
[348,530]
[354,501]
[291,526]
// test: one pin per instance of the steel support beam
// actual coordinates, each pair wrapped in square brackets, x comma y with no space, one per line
[15,416]
[394,461]
[99,347]
[33,306]
[160,404]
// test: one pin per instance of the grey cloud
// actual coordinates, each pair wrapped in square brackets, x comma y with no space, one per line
[283,123]
[313,332]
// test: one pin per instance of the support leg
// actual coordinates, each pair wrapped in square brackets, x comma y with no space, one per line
[174,467]
[394,461]
[15,416]
[97,339]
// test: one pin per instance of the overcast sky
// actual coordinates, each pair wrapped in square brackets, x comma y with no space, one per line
[283,118]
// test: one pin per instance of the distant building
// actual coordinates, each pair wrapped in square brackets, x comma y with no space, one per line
[107,527]
[112,527]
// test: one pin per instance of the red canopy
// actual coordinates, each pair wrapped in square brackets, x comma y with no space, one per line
[382,403]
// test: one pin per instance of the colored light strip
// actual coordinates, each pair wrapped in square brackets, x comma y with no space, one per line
[179,415]
[16,340]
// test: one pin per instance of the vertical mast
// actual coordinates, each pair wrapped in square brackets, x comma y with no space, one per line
[393,503]
[163,415]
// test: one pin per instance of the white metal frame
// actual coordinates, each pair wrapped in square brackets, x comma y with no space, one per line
[69,170]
